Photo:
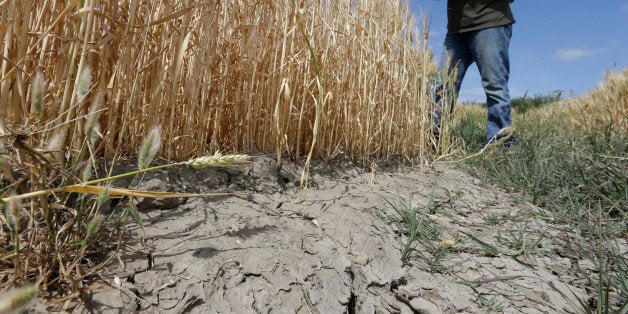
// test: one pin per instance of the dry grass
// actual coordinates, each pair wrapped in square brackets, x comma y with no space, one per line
[606,105]
[228,75]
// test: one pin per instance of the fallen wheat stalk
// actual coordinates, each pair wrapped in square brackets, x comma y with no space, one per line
[216,160]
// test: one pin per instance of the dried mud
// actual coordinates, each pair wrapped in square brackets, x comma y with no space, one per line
[335,249]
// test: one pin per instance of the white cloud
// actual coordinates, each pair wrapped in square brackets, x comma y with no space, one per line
[573,54]
[624,7]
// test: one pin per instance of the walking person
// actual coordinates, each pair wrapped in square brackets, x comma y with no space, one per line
[478,31]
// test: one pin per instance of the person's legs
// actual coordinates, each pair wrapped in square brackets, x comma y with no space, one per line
[456,56]
[490,52]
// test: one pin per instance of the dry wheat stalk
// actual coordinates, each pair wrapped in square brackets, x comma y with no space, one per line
[218,75]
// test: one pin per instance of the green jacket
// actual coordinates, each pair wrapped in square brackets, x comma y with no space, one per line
[471,15]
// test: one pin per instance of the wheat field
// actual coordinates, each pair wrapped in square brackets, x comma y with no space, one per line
[84,82]
[291,77]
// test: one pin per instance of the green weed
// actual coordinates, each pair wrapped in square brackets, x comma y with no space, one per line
[525,103]
[419,229]
[520,242]
[491,305]
[492,219]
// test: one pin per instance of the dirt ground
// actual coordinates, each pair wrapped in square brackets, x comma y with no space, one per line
[337,247]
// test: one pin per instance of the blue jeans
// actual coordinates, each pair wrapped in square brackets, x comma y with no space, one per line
[488,48]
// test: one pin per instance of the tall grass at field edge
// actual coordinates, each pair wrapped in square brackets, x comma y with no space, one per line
[571,158]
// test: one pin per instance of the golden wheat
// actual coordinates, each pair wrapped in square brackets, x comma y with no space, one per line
[88,79]
[218,160]
[226,75]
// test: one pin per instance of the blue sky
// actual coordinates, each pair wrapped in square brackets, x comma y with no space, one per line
[564,45]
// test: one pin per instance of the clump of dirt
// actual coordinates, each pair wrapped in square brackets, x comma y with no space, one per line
[338,246]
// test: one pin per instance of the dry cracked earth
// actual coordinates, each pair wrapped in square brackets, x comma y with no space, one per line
[338,247]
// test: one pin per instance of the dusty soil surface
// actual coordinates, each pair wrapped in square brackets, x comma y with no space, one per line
[338,246]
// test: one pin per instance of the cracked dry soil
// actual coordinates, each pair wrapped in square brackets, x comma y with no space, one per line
[335,249]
